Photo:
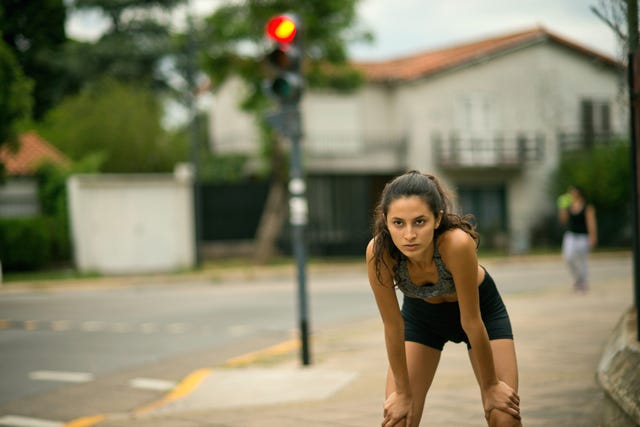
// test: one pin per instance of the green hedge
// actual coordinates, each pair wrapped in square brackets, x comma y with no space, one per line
[26,243]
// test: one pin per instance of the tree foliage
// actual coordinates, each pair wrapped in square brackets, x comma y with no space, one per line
[15,95]
[121,123]
[614,14]
[34,31]
[605,174]
[134,44]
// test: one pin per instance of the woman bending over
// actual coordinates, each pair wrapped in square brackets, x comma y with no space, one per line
[429,253]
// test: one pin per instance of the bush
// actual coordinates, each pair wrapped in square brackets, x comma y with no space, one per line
[604,172]
[25,243]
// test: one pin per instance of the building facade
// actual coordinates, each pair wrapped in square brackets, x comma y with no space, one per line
[490,117]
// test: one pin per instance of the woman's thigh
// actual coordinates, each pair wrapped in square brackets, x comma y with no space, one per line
[422,362]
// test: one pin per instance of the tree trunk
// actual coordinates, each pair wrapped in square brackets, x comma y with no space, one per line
[275,210]
[273,217]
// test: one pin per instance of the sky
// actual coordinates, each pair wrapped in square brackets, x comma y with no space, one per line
[405,27]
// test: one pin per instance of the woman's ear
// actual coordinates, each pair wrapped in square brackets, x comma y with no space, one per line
[439,218]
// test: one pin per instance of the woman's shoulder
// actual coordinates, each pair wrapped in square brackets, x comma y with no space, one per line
[371,252]
[455,239]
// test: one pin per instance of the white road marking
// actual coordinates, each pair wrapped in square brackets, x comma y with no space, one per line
[177,328]
[148,328]
[93,325]
[62,376]
[18,421]
[152,384]
[239,330]
[121,328]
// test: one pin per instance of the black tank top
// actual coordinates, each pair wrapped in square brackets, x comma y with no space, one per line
[578,221]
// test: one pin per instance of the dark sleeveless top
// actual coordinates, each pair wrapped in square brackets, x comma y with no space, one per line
[445,285]
[578,221]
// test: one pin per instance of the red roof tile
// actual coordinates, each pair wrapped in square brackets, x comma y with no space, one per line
[31,152]
[431,62]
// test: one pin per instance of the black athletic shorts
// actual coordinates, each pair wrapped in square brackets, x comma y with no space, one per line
[435,324]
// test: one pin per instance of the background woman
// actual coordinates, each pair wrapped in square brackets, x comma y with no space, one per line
[580,236]
[429,253]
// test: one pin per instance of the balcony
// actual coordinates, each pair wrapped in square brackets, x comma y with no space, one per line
[498,153]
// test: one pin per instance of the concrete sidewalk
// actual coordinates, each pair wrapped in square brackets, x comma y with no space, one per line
[559,339]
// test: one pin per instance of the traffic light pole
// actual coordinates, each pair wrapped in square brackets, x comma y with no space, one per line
[194,135]
[299,218]
[286,86]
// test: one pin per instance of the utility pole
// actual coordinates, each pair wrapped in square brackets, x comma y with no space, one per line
[634,121]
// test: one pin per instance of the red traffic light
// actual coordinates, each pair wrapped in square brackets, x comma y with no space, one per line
[281,28]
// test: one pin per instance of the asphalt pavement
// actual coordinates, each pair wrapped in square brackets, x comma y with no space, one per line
[560,336]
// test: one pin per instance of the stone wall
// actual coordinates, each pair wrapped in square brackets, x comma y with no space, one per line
[619,374]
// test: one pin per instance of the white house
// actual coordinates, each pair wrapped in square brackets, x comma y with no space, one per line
[490,117]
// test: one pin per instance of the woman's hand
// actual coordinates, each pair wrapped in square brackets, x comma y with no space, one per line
[398,410]
[502,397]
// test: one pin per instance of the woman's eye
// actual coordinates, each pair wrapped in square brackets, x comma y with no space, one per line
[397,222]
[420,222]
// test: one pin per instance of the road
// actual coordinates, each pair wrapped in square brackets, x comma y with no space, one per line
[72,352]
[57,340]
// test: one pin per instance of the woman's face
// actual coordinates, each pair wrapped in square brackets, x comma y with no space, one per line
[412,224]
[575,194]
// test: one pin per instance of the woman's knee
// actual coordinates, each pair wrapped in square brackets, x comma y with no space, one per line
[499,418]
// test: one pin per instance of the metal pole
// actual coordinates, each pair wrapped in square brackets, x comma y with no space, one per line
[194,135]
[632,30]
[298,211]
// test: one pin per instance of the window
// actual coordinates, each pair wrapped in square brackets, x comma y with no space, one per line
[595,120]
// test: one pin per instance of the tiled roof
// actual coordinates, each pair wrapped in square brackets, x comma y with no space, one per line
[431,62]
[31,152]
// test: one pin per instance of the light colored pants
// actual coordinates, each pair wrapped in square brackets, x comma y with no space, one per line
[575,250]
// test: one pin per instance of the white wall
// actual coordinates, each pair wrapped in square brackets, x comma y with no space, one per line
[131,223]
[233,130]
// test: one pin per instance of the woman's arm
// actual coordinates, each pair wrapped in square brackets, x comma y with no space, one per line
[563,202]
[398,404]
[592,226]
[458,250]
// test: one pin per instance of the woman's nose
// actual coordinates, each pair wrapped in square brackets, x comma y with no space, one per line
[409,233]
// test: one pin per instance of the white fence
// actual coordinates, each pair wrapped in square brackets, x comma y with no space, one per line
[123,224]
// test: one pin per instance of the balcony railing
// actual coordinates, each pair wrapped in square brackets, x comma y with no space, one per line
[499,152]
[585,141]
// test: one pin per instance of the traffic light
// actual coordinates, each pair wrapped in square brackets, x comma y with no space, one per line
[284,60]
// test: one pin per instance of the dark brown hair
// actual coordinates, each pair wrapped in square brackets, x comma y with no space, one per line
[433,194]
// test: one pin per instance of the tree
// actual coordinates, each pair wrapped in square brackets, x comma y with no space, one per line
[131,49]
[34,31]
[15,97]
[614,14]
[119,122]
[235,42]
